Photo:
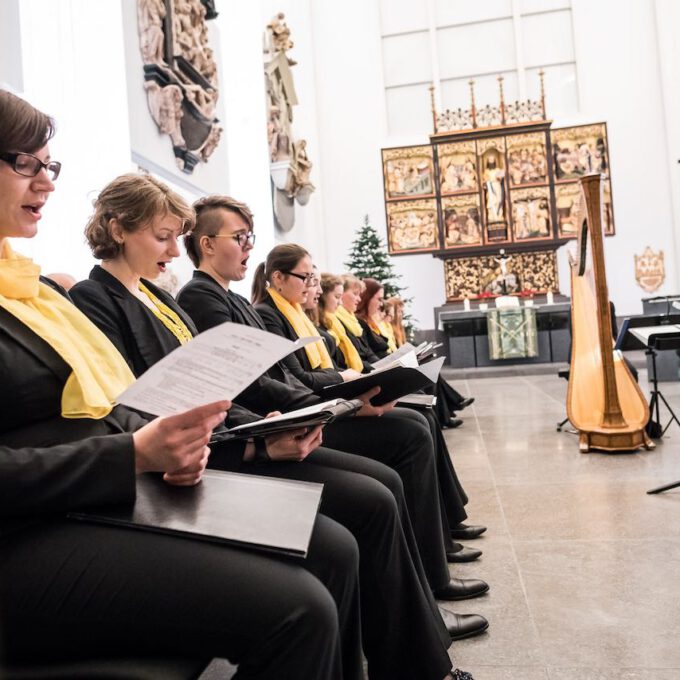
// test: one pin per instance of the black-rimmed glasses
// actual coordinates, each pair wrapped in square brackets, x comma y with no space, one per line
[241,239]
[307,279]
[28,165]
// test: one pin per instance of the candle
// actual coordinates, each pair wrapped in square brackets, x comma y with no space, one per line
[466,304]
[549,298]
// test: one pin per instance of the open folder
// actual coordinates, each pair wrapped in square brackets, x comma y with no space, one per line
[307,417]
[394,381]
[250,511]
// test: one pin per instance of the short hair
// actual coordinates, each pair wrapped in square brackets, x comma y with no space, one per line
[209,221]
[22,127]
[134,201]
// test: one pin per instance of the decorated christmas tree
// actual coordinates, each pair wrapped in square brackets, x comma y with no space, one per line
[368,258]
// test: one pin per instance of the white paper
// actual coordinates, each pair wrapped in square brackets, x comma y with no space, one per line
[306,411]
[643,333]
[432,368]
[393,359]
[217,364]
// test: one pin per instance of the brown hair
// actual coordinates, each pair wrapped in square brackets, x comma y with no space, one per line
[371,288]
[209,221]
[396,304]
[328,284]
[22,127]
[281,258]
[134,201]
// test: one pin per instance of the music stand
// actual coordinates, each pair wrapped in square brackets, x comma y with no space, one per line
[653,334]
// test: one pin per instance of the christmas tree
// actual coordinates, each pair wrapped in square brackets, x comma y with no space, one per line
[368,258]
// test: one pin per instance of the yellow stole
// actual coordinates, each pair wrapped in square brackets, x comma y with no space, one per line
[349,351]
[316,351]
[387,332]
[99,374]
[350,321]
[168,317]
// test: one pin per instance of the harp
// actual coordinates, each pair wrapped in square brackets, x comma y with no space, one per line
[604,403]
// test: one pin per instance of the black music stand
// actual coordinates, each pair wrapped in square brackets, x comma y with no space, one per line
[666,338]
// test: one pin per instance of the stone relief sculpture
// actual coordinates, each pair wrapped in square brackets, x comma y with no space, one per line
[180,75]
[290,164]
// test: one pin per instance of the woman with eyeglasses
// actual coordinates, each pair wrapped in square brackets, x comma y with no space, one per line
[134,229]
[71,590]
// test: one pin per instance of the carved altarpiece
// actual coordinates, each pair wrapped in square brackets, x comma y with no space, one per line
[180,75]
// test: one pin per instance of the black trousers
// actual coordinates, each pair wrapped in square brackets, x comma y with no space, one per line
[402,440]
[71,590]
[403,634]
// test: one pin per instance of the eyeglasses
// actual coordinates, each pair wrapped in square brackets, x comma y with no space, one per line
[307,279]
[241,239]
[28,165]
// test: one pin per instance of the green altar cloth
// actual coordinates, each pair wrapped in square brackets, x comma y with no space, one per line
[512,333]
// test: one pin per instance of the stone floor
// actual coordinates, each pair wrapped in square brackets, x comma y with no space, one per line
[582,563]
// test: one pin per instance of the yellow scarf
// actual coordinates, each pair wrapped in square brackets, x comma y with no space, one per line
[349,351]
[316,351]
[99,372]
[168,317]
[350,321]
[387,332]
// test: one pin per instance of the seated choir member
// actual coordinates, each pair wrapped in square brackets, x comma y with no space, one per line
[394,315]
[353,293]
[134,230]
[207,298]
[379,337]
[71,590]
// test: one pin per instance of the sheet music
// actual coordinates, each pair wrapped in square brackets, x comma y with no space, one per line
[306,411]
[217,364]
[394,357]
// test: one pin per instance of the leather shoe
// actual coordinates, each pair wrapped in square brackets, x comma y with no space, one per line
[465,532]
[452,423]
[457,674]
[462,554]
[461,589]
[465,403]
[461,626]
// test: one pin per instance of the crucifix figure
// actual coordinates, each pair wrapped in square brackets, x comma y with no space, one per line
[503,260]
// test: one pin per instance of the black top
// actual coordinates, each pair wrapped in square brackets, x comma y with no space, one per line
[297,362]
[50,464]
[209,304]
[367,355]
[133,328]
[375,341]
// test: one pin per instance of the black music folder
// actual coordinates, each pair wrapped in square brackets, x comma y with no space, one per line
[248,511]
[307,417]
[394,382]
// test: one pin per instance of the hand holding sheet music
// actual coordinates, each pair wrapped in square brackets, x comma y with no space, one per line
[217,364]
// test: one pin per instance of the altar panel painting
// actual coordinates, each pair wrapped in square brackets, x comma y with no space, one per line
[493,171]
[531,214]
[567,198]
[457,167]
[579,151]
[408,172]
[462,222]
[527,161]
[412,226]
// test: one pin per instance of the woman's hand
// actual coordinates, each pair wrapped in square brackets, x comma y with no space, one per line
[368,409]
[178,445]
[349,374]
[293,445]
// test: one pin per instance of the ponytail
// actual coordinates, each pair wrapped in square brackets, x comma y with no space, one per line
[258,291]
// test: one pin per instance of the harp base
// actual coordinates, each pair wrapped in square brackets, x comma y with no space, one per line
[614,441]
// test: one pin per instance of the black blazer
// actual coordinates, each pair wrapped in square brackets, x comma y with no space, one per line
[297,362]
[132,327]
[209,304]
[50,464]
[376,342]
[367,355]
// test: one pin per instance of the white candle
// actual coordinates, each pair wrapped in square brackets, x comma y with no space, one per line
[549,298]
[466,304]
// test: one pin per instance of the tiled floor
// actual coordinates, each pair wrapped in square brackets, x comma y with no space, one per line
[583,564]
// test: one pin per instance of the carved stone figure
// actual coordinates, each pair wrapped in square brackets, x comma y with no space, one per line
[211,142]
[280,35]
[301,168]
[165,104]
[150,15]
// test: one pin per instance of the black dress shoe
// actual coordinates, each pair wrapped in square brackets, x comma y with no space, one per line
[465,403]
[462,554]
[461,589]
[466,532]
[461,626]
[452,423]
[457,674]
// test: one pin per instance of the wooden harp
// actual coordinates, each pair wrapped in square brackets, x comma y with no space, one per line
[604,402]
